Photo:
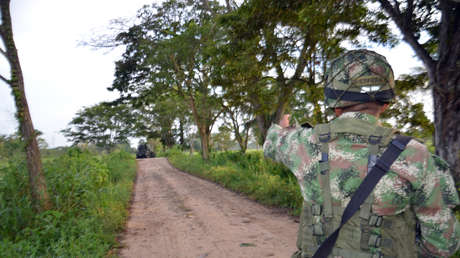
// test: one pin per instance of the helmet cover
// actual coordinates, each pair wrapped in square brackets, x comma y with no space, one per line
[358,76]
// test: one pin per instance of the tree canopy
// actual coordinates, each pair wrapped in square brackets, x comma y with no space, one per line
[168,53]
[103,125]
[189,63]
[432,29]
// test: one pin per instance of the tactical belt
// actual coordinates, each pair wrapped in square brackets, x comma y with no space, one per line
[380,168]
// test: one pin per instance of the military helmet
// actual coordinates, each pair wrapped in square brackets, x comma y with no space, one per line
[358,76]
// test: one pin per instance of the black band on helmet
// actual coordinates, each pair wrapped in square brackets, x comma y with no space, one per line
[382,96]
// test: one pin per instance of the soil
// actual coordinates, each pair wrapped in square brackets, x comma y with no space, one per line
[177,215]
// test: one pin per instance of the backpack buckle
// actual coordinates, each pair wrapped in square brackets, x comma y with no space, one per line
[377,255]
[316,210]
[374,139]
[375,220]
[374,241]
[324,137]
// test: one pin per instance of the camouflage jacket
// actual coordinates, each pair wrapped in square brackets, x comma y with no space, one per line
[417,180]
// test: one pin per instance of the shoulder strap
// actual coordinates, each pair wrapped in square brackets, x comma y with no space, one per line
[323,133]
[381,167]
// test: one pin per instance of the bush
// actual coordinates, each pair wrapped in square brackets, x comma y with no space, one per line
[90,193]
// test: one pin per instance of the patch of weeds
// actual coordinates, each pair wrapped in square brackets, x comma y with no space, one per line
[90,194]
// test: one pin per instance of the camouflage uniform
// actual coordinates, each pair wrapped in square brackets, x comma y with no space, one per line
[417,190]
[418,182]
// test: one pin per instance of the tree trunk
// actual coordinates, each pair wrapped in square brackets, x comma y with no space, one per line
[241,142]
[38,189]
[181,134]
[204,137]
[203,129]
[264,121]
[445,78]
[244,144]
[241,138]
[444,74]
[191,146]
[263,126]
[446,122]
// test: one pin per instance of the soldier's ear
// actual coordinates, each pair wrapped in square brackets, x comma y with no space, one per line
[338,111]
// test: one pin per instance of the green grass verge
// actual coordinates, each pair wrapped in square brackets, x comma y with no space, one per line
[90,195]
[250,174]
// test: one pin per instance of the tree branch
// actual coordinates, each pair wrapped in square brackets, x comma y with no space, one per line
[301,61]
[2,30]
[3,52]
[228,6]
[449,35]
[213,119]
[208,8]
[5,80]
[410,6]
[396,7]
[408,35]
[443,32]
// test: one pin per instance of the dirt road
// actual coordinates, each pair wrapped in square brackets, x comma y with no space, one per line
[180,216]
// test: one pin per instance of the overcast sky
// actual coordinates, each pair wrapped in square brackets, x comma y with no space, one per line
[62,78]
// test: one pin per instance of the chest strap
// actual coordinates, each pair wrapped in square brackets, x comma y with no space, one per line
[380,168]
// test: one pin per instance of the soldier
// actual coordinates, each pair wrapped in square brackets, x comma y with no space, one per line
[408,213]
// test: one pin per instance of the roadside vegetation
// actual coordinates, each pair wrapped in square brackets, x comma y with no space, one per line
[90,194]
[262,180]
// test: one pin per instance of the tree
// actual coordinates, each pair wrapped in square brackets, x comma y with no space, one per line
[278,49]
[38,188]
[432,29]
[103,124]
[164,117]
[168,52]
[241,119]
[222,139]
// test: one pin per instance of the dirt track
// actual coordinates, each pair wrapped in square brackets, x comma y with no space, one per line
[180,216]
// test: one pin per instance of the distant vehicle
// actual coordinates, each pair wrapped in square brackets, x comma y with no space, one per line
[143,152]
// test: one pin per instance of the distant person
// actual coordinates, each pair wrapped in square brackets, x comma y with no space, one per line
[406,212]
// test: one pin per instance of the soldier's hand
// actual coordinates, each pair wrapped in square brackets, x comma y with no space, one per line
[284,123]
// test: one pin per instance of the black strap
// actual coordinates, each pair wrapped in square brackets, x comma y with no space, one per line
[383,96]
[381,167]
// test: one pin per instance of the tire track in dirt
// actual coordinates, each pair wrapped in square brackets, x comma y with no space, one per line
[177,215]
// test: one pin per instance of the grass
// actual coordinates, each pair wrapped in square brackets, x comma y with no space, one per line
[90,194]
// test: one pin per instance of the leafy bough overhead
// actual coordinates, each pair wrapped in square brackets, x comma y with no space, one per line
[168,53]
[260,59]
[276,52]
[432,29]
[103,125]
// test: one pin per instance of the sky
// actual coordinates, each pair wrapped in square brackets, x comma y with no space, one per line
[61,77]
